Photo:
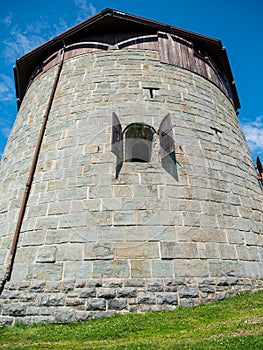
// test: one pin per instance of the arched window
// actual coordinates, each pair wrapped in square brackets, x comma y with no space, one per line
[138,142]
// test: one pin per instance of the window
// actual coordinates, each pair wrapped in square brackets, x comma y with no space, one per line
[138,142]
[135,144]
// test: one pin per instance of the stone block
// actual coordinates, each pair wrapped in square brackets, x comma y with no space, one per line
[57,236]
[111,204]
[219,268]
[87,293]
[99,192]
[236,237]
[146,191]
[67,285]
[154,285]
[77,269]
[188,292]
[161,233]
[45,271]
[52,287]
[146,298]
[117,304]
[167,298]
[170,284]
[126,292]
[174,250]
[47,222]
[99,251]
[248,253]
[190,268]
[46,254]
[112,283]
[243,224]
[191,219]
[184,205]
[136,250]
[148,217]
[122,218]
[6,321]
[63,315]
[25,255]
[162,268]
[111,269]
[134,203]
[140,268]
[81,316]
[73,220]
[83,234]
[34,238]
[96,305]
[227,251]
[28,298]
[57,208]
[111,233]
[15,310]
[208,250]
[252,269]
[106,293]
[53,299]
[76,302]
[70,252]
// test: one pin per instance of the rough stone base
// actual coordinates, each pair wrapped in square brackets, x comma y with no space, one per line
[80,300]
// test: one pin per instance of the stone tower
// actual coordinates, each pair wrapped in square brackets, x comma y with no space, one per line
[126,183]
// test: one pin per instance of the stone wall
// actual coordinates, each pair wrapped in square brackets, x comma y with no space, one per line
[81,300]
[90,245]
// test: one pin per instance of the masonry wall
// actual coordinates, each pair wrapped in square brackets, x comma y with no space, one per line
[91,246]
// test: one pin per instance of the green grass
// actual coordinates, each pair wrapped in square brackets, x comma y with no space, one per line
[232,324]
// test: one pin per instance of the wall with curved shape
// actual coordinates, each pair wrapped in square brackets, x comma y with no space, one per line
[155,238]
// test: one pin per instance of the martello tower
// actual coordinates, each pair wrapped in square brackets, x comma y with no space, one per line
[126,183]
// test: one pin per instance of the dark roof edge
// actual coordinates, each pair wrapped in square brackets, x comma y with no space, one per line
[59,41]
[118,14]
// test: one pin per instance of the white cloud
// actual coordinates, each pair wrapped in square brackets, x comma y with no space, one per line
[7,20]
[25,37]
[6,88]
[254,134]
[85,9]
[22,40]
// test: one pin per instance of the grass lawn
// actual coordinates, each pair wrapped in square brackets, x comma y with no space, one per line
[236,323]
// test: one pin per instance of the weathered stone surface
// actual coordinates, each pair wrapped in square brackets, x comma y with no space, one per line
[46,254]
[77,269]
[137,250]
[146,298]
[190,268]
[117,304]
[188,292]
[14,310]
[96,305]
[106,293]
[64,315]
[111,269]
[91,246]
[167,298]
[140,268]
[174,250]
[101,251]
[87,293]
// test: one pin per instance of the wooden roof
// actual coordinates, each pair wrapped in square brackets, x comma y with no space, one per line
[106,25]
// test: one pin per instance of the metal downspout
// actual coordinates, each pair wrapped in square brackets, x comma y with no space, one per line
[29,182]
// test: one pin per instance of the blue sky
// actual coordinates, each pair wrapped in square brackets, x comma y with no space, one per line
[27,24]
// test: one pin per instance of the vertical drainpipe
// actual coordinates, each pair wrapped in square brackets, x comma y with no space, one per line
[31,174]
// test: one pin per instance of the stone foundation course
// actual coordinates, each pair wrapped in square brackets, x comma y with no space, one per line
[81,300]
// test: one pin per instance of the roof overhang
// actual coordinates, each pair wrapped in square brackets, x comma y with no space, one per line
[113,21]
